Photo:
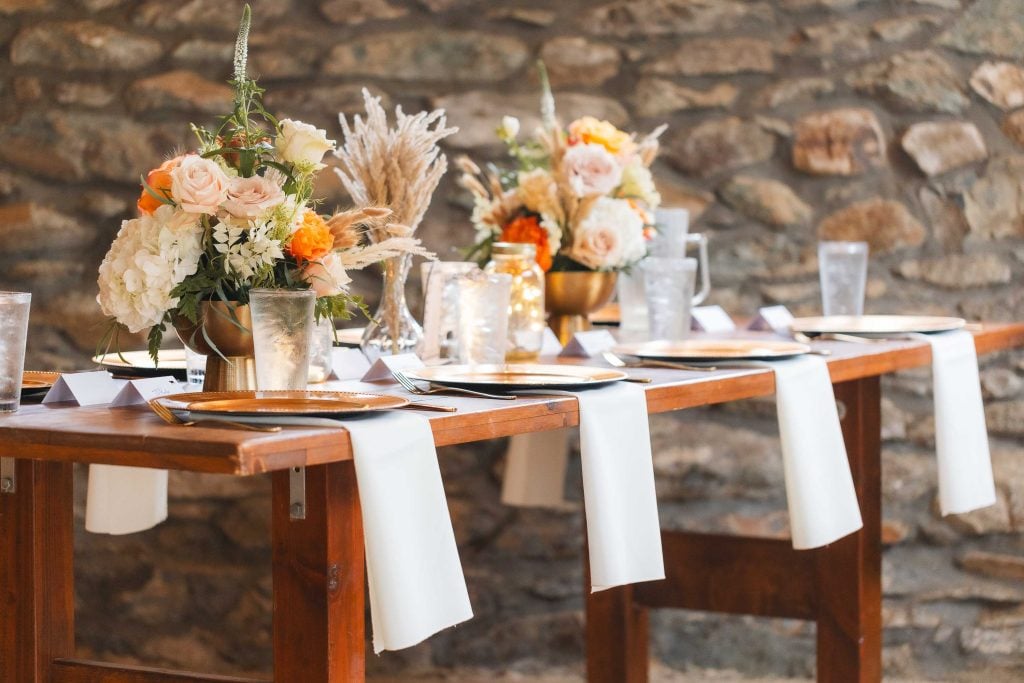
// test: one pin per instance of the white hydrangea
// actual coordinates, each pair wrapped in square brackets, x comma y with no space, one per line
[246,248]
[149,257]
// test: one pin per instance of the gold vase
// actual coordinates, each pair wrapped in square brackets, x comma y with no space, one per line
[571,296]
[228,327]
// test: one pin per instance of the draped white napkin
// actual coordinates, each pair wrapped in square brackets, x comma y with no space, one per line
[820,494]
[535,469]
[125,500]
[412,562]
[961,439]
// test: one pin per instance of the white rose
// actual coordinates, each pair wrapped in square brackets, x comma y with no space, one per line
[327,276]
[591,169]
[610,237]
[252,197]
[198,185]
[302,144]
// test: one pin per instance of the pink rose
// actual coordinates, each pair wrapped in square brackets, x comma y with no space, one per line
[251,197]
[327,276]
[198,185]
[591,169]
[610,237]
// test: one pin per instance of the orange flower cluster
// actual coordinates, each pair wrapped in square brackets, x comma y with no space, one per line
[527,229]
[160,180]
[590,131]
[313,240]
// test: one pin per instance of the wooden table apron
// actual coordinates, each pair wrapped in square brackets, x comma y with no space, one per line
[318,568]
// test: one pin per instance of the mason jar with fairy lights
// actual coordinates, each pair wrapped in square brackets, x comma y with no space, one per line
[526,307]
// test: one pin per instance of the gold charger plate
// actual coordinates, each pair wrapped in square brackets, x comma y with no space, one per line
[172,361]
[517,376]
[876,325]
[350,336]
[281,402]
[36,381]
[713,349]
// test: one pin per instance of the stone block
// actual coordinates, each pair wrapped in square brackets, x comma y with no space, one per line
[839,142]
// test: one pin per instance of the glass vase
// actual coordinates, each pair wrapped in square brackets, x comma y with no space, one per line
[393,330]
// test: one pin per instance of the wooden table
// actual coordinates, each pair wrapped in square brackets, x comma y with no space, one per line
[318,569]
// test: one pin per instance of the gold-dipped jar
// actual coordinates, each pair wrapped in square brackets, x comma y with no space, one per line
[526,304]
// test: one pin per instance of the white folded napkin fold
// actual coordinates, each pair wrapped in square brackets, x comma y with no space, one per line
[415,578]
[125,500]
[535,469]
[961,439]
[820,494]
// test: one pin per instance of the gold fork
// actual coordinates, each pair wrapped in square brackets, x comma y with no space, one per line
[168,416]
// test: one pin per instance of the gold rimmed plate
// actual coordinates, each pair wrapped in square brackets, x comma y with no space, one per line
[350,336]
[36,382]
[876,325]
[516,376]
[255,403]
[140,364]
[695,350]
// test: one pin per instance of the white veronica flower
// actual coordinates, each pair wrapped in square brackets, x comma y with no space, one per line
[611,236]
[246,248]
[150,256]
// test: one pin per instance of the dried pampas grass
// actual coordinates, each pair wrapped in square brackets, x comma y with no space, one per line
[396,167]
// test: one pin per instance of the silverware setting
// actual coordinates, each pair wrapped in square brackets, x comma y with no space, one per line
[413,388]
[168,416]
[618,362]
[430,406]
[839,337]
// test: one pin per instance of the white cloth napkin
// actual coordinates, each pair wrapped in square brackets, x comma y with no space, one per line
[819,487]
[535,469]
[961,439]
[412,562]
[125,500]
[623,531]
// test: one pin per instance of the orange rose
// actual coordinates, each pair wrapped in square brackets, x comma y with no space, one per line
[160,180]
[528,230]
[587,130]
[313,239]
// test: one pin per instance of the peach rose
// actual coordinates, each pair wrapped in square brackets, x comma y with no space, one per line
[160,180]
[252,197]
[326,276]
[199,185]
[591,169]
[610,237]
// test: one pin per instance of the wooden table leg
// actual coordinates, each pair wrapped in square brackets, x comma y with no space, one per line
[37,587]
[616,633]
[319,579]
[850,570]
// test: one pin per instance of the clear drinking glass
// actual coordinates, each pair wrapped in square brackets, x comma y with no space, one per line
[14,307]
[669,284]
[282,328]
[321,350]
[483,317]
[632,301]
[195,368]
[441,307]
[843,267]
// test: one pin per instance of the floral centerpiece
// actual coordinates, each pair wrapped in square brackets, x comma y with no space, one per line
[235,214]
[583,194]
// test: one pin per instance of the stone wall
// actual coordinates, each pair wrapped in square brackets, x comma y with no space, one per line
[895,121]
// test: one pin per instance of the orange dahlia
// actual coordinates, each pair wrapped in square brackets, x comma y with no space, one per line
[160,180]
[527,229]
[312,240]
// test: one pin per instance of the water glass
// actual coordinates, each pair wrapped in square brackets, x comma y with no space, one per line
[321,351]
[14,307]
[483,317]
[282,329]
[672,227]
[669,284]
[632,301]
[195,368]
[843,267]
[441,307]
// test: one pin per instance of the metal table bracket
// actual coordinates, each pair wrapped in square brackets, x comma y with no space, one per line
[8,476]
[297,493]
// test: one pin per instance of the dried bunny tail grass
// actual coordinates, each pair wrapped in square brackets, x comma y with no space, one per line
[648,147]
[356,259]
[398,230]
[466,165]
[471,183]
[396,167]
[347,226]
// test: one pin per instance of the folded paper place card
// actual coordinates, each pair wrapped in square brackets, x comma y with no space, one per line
[711,319]
[383,366]
[588,344]
[777,319]
[550,346]
[140,391]
[84,388]
[348,363]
